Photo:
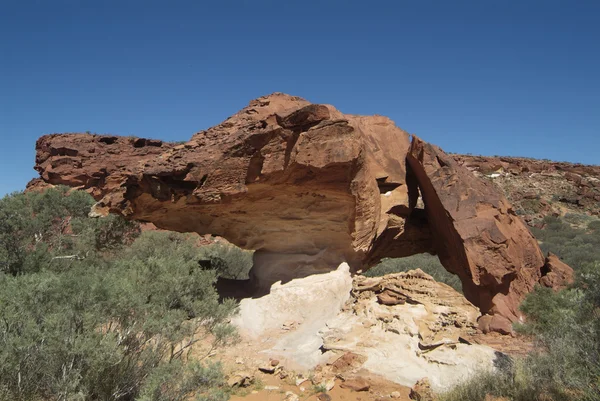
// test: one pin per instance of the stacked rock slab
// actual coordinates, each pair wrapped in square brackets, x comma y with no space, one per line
[308,187]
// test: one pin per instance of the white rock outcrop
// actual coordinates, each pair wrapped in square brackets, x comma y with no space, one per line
[407,326]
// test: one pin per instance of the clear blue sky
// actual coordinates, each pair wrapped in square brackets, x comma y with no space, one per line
[483,77]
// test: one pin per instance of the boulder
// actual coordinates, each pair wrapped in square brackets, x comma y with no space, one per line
[308,188]
[422,391]
[356,335]
[347,362]
[497,323]
[240,379]
[556,273]
[356,384]
[291,396]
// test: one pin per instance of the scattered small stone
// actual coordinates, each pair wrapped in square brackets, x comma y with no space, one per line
[271,388]
[239,361]
[356,384]
[289,326]
[241,379]
[300,380]
[422,391]
[323,397]
[290,396]
[234,381]
[267,369]
[274,362]
[348,361]
[329,384]
[395,394]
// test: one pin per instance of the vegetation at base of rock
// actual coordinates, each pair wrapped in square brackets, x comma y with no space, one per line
[565,325]
[430,264]
[230,261]
[578,247]
[90,309]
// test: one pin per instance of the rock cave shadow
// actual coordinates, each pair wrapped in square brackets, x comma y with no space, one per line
[237,289]
[241,289]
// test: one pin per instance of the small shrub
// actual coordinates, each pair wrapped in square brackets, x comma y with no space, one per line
[579,248]
[577,219]
[319,388]
[594,225]
[179,382]
[229,261]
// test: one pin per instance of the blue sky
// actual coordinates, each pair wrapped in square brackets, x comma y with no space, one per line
[483,77]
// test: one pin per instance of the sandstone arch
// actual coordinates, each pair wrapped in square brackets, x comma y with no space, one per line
[309,187]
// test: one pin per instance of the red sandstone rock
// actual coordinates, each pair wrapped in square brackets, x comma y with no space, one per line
[476,233]
[495,323]
[309,187]
[347,362]
[356,384]
[557,274]
[37,185]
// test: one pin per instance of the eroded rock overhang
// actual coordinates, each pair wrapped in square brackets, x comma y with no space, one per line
[308,187]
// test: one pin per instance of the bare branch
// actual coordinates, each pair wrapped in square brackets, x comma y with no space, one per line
[76,257]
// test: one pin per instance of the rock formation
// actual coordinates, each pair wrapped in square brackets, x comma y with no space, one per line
[403,327]
[309,187]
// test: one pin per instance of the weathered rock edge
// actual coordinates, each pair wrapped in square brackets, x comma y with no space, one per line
[309,187]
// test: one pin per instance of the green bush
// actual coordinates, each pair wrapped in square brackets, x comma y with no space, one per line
[579,248]
[594,225]
[37,229]
[229,261]
[577,219]
[524,382]
[430,264]
[116,322]
[178,382]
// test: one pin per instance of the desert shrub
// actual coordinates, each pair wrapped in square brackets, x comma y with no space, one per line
[524,382]
[178,382]
[115,323]
[579,248]
[430,264]
[530,206]
[229,261]
[35,228]
[577,219]
[594,225]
